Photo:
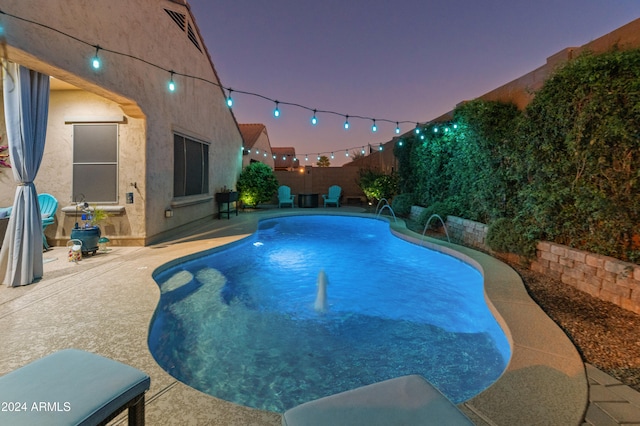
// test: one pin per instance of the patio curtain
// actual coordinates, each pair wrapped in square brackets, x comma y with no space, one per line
[26,109]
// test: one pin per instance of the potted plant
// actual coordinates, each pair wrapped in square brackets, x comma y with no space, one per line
[89,232]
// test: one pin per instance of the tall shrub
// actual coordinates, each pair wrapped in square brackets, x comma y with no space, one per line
[582,156]
[257,184]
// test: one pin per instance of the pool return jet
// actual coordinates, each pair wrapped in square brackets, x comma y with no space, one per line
[321,294]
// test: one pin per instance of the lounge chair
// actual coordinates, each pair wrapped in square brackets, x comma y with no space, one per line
[48,207]
[333,197]
[73,387]
[284,196]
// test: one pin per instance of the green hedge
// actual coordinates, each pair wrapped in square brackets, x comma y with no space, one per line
[566,169]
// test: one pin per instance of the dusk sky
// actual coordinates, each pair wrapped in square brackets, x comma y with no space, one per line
[401,60]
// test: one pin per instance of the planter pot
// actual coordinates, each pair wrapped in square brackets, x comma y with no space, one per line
[89,237]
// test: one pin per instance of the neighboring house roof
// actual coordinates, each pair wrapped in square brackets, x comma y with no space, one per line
[251,132]
[284,157]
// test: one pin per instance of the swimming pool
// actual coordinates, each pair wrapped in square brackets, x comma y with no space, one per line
[239,323]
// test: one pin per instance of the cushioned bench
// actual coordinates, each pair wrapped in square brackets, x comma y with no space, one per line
[72,387]
[407,400]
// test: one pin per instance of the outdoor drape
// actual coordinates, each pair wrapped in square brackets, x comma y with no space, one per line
[26,109]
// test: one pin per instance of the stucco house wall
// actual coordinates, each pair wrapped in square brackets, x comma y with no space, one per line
[131,83]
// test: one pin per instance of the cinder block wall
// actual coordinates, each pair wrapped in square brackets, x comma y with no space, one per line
[317,180]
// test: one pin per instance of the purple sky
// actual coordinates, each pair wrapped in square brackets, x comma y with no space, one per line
[403,60]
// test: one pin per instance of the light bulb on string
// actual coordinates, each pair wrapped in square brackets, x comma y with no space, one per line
[284,158]
[435,130]
[314,119]
[380,147]
[172,84]
[374,128]
[397,128]
[274,156]
[346,122]
[306,157]
[332,156]
[276,112]
[230,99]
[417,128]
[318,157]
[346,153]
[95,62]
[400,143]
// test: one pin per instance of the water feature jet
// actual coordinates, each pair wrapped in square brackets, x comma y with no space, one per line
[321,294]
[427,226]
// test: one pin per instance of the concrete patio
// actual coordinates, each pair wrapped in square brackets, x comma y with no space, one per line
[104,304]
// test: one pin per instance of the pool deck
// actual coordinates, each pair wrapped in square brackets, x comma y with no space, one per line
[104,304]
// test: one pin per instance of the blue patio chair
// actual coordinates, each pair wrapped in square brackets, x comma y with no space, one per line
[333,197]
[284,196]
[48,207]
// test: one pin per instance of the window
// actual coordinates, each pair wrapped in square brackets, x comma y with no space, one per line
[190,167]
[95,163]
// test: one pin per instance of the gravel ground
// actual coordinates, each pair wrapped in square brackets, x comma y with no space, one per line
[606,335]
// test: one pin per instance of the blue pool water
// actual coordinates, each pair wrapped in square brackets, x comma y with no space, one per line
[239,323]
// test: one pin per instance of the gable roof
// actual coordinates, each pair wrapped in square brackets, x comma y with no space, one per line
[251,132]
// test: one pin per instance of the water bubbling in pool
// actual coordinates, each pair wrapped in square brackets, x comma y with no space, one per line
[320,304]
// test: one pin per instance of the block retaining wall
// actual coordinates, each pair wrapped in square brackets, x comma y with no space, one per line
[603,277]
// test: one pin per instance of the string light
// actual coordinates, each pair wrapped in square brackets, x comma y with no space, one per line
[362,150]
[332,155]
[172,85]
[380,147]
[374,128]
[346,153]
[95,63]
[230,99]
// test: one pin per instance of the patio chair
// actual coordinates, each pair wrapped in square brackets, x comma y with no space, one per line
[48,207]
[284,196]
[333,197]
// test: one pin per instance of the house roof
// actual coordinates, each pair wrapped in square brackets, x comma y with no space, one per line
[288,153]
[251,132]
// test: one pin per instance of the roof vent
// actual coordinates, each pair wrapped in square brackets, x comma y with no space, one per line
[178,18]
[192,36]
